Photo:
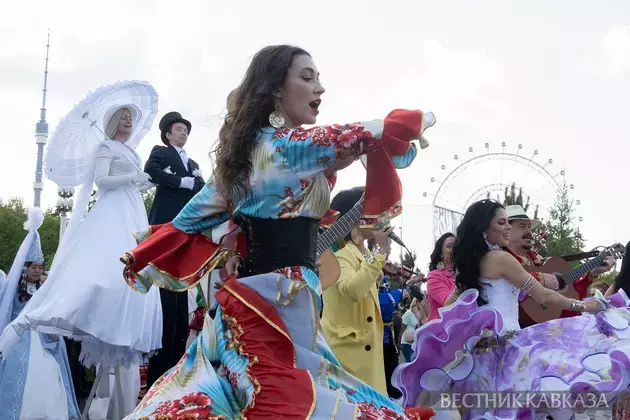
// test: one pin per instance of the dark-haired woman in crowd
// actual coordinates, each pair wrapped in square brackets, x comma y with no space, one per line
[477,344]
[622,281]
[263,355]
[440,283]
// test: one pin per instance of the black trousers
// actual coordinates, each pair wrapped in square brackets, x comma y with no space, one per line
[174,334]
[390,357]
[82,377]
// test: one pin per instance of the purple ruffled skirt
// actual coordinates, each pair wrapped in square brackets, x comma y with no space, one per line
[470,351]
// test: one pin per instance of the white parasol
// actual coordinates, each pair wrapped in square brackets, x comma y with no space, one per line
[70,148]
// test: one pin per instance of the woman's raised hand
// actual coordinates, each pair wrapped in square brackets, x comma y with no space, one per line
[231,267]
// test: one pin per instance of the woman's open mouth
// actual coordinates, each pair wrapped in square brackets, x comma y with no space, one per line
[315,105]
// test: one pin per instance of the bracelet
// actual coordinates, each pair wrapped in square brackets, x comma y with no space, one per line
[453,296]
[369,257]
[529,284]
[577,306]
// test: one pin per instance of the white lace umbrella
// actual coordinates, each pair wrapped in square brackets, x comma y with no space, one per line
[71,145]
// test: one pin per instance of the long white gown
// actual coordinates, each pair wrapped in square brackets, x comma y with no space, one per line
[85,296]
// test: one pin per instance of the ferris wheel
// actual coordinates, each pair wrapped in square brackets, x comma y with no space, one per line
[489,172]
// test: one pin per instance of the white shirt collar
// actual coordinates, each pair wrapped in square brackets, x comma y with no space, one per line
[179,149]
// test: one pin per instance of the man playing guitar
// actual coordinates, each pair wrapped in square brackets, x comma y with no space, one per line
[521,247]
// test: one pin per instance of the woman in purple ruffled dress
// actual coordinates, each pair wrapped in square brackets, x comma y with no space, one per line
[477,346]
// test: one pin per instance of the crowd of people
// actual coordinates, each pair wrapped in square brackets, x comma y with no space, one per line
[250,319]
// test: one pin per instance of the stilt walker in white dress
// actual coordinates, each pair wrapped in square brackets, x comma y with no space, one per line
[85,296]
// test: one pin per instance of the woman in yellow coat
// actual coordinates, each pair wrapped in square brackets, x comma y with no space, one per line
[351,319]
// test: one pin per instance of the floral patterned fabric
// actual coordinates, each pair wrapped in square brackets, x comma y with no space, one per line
[288,180]
[263,349]
[263,355]
[477,349]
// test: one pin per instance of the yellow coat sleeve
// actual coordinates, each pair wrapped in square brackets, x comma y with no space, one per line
[356,284]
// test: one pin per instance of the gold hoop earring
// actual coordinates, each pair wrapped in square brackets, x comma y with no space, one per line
[276,119]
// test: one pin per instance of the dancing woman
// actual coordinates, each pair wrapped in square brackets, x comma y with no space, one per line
[263,355]
[38,361]
[477,344]
[85,297]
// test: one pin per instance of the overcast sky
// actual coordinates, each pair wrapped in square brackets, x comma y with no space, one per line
[552,76]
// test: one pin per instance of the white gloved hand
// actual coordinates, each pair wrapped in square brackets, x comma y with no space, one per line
[187,182]
[428,120]
[140,178]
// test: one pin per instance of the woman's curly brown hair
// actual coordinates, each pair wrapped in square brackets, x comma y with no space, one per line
[249,107]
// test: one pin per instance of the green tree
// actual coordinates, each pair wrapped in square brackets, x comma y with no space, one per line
[13,214]
[148,196]
[49,234]
[562,237]
[12,233]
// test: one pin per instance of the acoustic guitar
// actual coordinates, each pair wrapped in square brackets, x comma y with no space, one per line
[329,269]
[532,312]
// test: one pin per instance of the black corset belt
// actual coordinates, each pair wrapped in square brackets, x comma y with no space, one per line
[278,243]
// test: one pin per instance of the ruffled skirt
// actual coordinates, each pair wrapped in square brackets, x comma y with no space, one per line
[582,361]
[263,356]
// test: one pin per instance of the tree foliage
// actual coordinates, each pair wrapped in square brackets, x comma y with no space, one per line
[562,236]
[13,214]
[148,196]
[49,234]
[12,233]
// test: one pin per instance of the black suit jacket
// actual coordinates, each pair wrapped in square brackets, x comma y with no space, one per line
[170,199]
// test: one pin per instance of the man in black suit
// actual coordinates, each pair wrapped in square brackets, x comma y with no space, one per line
[177,177]
[178,180]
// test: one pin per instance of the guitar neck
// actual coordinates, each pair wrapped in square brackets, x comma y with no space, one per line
[576,273]
[340,228]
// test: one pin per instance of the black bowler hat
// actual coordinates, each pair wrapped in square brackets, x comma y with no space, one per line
[168,120]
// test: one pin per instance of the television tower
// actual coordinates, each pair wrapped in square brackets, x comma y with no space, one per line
[41,138]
